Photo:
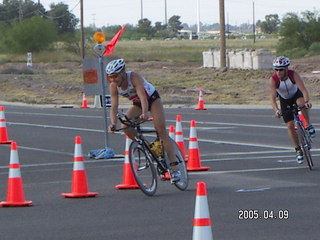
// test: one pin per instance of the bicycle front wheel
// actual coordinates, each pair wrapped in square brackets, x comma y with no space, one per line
[305,146]
[143,169]
[184,179]
[307,154]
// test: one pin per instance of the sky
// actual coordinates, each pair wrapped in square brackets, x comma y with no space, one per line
[120,12]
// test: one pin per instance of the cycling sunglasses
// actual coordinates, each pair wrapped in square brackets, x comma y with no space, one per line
[113,76]
[279,69]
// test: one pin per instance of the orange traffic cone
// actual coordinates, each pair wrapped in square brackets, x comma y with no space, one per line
[15,192]
[84,102]
[194,161]
[179,137]
[202,221]
[128,179]
[79,186]
[172,135]
[3,128]
[200,102]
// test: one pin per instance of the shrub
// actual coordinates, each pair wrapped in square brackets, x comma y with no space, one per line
[31,35]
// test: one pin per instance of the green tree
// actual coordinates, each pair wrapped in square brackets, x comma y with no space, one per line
[17,10]
[65,20]
[30,35]
[174,25]
[270,25]
[145,28]
[299,32]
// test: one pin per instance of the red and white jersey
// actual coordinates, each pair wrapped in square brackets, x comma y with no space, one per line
[288,88]
[131,92]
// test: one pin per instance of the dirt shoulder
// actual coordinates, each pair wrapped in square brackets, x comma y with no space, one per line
[178,83]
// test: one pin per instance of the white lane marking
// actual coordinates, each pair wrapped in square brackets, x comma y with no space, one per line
[56,127]
[255,158]
[254,190]
[52,114]
[247,170]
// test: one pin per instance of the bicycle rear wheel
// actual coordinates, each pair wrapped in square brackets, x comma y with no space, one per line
[143,169]
[184,179]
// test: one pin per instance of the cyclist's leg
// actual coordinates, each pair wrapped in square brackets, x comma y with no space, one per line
[133,112]
[157,113]
[300,102]
[288,118]
[292,133]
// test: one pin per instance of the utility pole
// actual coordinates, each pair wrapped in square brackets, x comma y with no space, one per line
[223,63]
[81,31]
[254,26]
[141,9]
[165,13]
[198,17]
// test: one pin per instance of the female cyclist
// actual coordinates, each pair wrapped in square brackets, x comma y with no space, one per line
[145,98]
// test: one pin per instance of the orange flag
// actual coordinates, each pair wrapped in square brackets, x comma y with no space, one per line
[111,45]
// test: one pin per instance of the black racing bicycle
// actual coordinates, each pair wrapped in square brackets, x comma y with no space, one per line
[150,160]
[304,137]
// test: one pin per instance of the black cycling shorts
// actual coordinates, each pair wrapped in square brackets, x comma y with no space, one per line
[284,103]
[151,99]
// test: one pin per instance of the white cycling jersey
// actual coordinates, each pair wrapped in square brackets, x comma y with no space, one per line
[131,92]
[287,89]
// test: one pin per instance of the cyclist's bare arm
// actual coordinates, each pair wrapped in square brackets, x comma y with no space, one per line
[137,81]
[114,107]
[303,89]
[273,97]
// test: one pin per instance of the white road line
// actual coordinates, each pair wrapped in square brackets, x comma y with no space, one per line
[55,115]
[247,170]
[116,159]
[55,127]
[254,158]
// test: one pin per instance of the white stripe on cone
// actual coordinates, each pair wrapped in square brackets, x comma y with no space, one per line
[77,150]
[202,222]
[126,151]
[78,165]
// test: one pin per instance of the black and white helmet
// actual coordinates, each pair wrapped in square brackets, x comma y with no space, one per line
[281,62]
[115,66]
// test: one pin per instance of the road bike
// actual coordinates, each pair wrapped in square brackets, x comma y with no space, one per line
[149,161]
[304,137]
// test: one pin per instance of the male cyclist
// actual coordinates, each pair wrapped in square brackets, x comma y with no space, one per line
[145,98]
[289,87]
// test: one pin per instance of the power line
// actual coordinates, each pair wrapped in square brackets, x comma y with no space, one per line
[61,16]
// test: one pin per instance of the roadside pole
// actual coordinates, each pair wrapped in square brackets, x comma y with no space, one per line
[99,50]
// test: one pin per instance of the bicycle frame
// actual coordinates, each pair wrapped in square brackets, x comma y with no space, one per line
[299,125]
[162,165]
[304,138]
[153,162]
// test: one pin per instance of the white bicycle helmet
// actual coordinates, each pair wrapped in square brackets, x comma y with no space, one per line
[281,62]
[115,66]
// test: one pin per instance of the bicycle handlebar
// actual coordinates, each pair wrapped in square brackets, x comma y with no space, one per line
[294,108]
[133,123]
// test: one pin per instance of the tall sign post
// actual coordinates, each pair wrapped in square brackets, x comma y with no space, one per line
[99,50]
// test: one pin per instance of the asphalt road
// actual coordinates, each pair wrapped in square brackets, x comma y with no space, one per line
[253,169]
